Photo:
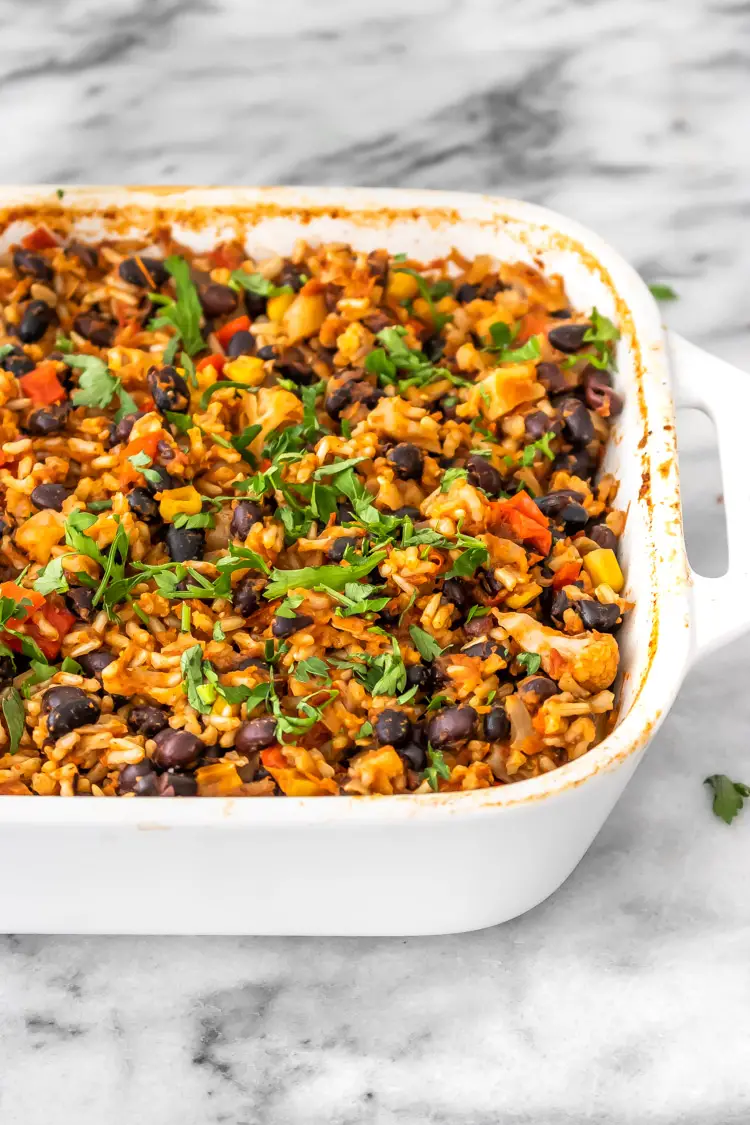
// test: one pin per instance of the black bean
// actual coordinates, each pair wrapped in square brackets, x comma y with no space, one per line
[558,602]
[291,364]
[496,725]
[554,502]
[560,314]
[145,272]
[453,725]
[242,343]
[338,399]
[82,602]
[255,734]
[538,424]
[268,352]
[290,275]
[603,535]
[575,517]
[250,662]
[466,293]
[580,464]
[94,663]
[29,264]
[255,306]
[457,593]
[143,505]
[244,516]
[447,406]
[344,512]
[175,748]
[7,669]
[185,543]
[217,300]
[159,480]
[419,676]
[48,420]
[596,615]
[16,362]
[125,425]
[147,719]
[414,756]
[174,784]
[246,596]
[97,329]
[568,337]
[486,648]
[36,319]
[483,475]
[68,708]
[535,689]
[407,512]
[339,547]
[577,424]
[551,378]
[139,779]
[49,496]
[433,348]
[392,728]
[598,393]
[367,394]
[407,460]
[87,255]
[283,627]
[489,583]
[169,389]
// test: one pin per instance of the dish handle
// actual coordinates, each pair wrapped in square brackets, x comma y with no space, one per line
[720,606]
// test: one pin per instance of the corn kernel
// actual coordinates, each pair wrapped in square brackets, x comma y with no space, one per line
[401,287]
[246,369]
[422,310]
[603,568]
[277,306]
[187,500]
[515,601]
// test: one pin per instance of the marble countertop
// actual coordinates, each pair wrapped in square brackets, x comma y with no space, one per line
[625,997]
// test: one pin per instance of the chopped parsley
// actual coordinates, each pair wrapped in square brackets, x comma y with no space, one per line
[431,293]
[13,713]
[530,452]
[425,644]
[310,577]
[663,292]
[257,284]
[450,476]
[729,796]
[395,356]
[477,611]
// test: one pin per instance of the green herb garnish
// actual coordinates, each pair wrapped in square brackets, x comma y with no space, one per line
[663,292]
[97,386]
[182,314]
[530,661]
[438,767]
[728,796]
[425,644]
[257,284]
[15,719]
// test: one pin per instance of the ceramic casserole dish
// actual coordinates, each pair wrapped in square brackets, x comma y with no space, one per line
[318,866]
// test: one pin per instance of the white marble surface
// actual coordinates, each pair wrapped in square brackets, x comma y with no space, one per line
[626,996]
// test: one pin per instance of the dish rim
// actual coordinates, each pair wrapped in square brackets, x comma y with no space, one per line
[670,581]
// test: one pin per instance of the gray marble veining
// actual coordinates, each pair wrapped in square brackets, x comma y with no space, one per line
[626,996]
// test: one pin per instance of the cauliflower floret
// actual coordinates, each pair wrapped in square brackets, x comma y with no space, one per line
[590,658]
[501,391]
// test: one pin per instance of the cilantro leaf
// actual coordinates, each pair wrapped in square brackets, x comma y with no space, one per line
[425,644]
[76,524]
[438,767]
[191,666]
[450,476]
[309,577]
[312,667]
[530,661]
[184,313]
[97,386]
[51,578]
[15,719]
[663,292]
[258,285]
[530,350]
[728,796]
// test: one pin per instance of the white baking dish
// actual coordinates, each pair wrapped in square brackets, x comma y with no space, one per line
[412,864]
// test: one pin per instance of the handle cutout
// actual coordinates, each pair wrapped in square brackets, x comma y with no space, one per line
[703,514]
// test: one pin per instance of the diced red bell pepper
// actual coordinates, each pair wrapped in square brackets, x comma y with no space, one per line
[146,444]
[566,575]
[60,619]
[520,519]
[228,256]
[215,361]
[273,759]
[39,239]
[19,594]
[42,385]
[533,324]
[239,324]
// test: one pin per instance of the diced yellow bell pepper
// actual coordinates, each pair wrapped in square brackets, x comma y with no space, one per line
[602,567]
[186,500]
[304,316]
[277,306]
[515,601]
[401,287]
[246,369]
